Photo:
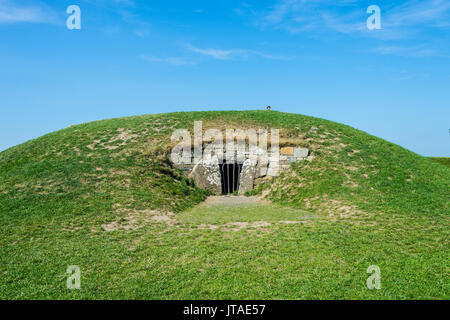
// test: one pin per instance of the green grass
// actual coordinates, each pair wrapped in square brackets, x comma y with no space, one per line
[223,214]
[441,160]
[361,201]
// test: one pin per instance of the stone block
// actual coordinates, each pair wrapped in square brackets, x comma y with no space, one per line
[261,168]
[206,175]
[301,152]
[292,159]
[288,151]
[247,177]
[274,169]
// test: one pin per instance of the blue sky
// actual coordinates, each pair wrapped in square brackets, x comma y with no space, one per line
[311,57]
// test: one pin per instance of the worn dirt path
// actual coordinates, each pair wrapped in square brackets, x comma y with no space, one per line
[233,201]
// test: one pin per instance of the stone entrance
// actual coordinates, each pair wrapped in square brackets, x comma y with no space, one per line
[220,177]
[230,177]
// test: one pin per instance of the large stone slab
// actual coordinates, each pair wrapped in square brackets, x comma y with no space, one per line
[301,152]
[261,168]
[206,175]
[274,169]
[247,177]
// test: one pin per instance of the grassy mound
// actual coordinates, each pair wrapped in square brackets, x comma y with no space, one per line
[103,195]
[444,161]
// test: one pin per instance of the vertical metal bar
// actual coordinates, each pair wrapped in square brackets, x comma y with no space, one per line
[223,181]
[228,178]
[231,178]
[229,186]
[239,176]
[232,189]
[222,178]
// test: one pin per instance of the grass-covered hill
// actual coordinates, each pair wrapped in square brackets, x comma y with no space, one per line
[103,195]
[441,160]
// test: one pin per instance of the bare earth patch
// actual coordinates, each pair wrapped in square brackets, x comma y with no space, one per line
[233,200]
[122,137]
[136,219]
[236,226]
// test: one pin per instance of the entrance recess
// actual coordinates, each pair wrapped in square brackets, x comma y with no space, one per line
[230,173]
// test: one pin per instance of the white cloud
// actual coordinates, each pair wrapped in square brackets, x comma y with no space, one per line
[408,27]
[13,13]
[417,13]
[216,53]
[128,3]
[140,33]
[348,16]
[278,13]
[221,54]
[239,11]
[408,51]
[176,61]
[345,24]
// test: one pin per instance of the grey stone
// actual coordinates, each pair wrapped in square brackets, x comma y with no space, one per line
[274,169]
[261,170]
[301,152]
[206,175]
[261,167]
[247,177]
[258,151]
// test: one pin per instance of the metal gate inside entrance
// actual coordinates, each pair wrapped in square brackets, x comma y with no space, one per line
[230,173]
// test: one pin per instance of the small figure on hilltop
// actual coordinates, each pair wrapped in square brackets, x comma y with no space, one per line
[268,108]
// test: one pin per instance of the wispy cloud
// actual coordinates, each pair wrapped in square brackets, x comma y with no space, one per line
[10,12]
[244,9]
[419,51]
[176,61]
[418,13]
[223,54]
[129,12]
[129,3]
[140,33]
[348,16]
[281,10]
[409,27]
[216,53]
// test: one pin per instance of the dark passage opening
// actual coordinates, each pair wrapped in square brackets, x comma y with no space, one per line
[230,173]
